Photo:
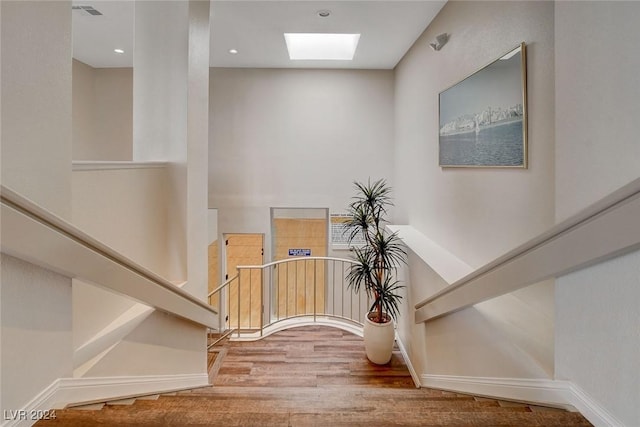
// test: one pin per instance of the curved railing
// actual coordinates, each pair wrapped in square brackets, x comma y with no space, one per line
[311,289]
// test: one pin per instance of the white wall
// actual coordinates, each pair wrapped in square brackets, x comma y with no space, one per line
[171,84]
[36,304]
[161,345]
[159,81]
[294,138]
[36,331]
[597,151]
[36,162]
[158,217]
[477,214]
[597,92]
[598,337]
[36,102]
[94,309]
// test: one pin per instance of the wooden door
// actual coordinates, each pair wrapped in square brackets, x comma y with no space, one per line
[245,309]
[300,286]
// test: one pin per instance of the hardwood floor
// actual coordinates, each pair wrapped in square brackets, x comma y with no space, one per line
[314,376]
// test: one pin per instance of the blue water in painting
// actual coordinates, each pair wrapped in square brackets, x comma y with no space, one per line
[495,146]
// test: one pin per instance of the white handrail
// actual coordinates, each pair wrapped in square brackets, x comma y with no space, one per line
[282,261]
[219,288]
[306,258]
[608,228]
[101,165]
[29,232]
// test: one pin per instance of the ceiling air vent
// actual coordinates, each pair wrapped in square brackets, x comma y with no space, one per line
[88,9]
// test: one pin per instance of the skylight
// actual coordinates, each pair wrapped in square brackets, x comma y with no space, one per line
[316,46]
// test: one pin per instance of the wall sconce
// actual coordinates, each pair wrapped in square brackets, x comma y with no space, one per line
[441,40]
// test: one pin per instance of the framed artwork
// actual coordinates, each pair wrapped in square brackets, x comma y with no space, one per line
[483,118]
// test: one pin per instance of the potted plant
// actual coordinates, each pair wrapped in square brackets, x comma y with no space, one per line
[377,260]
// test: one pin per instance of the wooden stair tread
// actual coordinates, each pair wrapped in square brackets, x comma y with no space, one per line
[314,376]
[122,402]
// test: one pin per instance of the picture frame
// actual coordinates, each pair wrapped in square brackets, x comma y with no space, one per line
[483,118]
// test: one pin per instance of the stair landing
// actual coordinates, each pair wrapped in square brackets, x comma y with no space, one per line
[315,376]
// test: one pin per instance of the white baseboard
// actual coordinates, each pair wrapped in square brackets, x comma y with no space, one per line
[65,391]
[407,361]
[544,392]
[563,394]
[591,409]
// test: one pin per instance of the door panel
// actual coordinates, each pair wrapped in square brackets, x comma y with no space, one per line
[297,283]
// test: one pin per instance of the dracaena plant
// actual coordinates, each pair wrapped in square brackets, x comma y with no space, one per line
[378,258]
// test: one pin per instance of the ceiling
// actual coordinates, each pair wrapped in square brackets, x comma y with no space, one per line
[255,29]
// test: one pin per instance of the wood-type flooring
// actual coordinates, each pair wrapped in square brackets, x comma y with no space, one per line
[313,376]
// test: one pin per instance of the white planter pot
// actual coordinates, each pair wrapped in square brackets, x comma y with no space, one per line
[378,341]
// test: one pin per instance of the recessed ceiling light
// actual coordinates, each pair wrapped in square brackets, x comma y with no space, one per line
[233,51]
[118,51]
[317,46]
[324,13]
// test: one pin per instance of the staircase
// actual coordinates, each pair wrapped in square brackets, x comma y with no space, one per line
[216,351]
[312,376]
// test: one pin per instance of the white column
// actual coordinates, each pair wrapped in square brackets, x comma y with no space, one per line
[171,116]
[198,148]
[160,76]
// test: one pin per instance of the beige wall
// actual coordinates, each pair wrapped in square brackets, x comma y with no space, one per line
[597,151]
[126,209]
[83,101]
[477,214]
[102,113]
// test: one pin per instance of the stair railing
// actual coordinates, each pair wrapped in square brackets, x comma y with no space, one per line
[215,299]
[310,289]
